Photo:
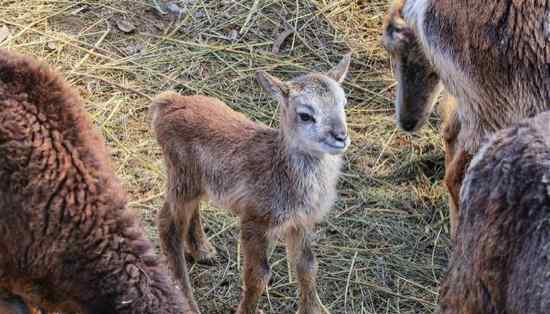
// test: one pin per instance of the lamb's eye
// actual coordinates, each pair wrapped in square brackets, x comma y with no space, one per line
[306,117]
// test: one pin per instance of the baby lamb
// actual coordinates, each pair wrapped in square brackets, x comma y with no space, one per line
[500,259]
[67,240]
[279,182]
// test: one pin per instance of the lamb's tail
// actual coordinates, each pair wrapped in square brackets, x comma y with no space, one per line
[159,105]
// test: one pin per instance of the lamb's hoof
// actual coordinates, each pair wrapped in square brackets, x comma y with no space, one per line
[257,312]
[239,311]
[206,258]
[320,309]
[204,255]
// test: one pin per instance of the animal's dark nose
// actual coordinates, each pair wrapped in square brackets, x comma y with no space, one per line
[408,125]
[339,135]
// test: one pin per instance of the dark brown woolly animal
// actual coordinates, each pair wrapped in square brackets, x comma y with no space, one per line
[67,240]
[492,55]
[500,260]
[13,304]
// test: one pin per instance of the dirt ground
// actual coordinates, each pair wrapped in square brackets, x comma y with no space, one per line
[384,247]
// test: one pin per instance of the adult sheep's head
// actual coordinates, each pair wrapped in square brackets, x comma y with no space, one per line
[418,83]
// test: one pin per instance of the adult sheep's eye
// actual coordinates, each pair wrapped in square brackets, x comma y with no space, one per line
[306,117]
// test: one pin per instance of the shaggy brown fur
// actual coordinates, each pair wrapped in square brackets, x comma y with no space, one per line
[493,55]
[13,304]
[278,181]
[68,242]
[500,261]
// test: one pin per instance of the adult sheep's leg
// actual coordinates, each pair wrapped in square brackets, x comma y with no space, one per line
[301,256]
[454,175]
[257,272]
[450,131]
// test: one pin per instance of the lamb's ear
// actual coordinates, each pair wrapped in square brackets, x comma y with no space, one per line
[339,72]
[273,85]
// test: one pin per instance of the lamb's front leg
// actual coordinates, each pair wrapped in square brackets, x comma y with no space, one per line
[254,244]
[302,258]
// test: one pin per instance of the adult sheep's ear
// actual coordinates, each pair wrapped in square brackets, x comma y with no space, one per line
[273,85]
[397,35]
[339,72]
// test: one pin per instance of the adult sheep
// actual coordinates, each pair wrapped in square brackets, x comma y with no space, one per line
[493,56]
[500,258]
[67,240]
[418,90]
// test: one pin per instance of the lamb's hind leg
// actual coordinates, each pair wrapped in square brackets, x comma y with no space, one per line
[195,240]
[301,257]
[171,241]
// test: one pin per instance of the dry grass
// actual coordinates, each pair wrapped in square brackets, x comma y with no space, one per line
[384,247]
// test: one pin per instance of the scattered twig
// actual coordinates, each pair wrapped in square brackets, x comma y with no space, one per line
[280,40]
[104,80]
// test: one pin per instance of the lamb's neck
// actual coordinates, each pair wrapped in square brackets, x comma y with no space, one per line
[302,162]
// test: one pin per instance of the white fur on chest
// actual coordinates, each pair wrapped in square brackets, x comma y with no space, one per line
[316,196]
[304,202]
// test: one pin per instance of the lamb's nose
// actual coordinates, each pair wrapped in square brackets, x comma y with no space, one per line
[339,135]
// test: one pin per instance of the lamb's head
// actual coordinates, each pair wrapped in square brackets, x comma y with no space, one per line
[313,118]
[418,82]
